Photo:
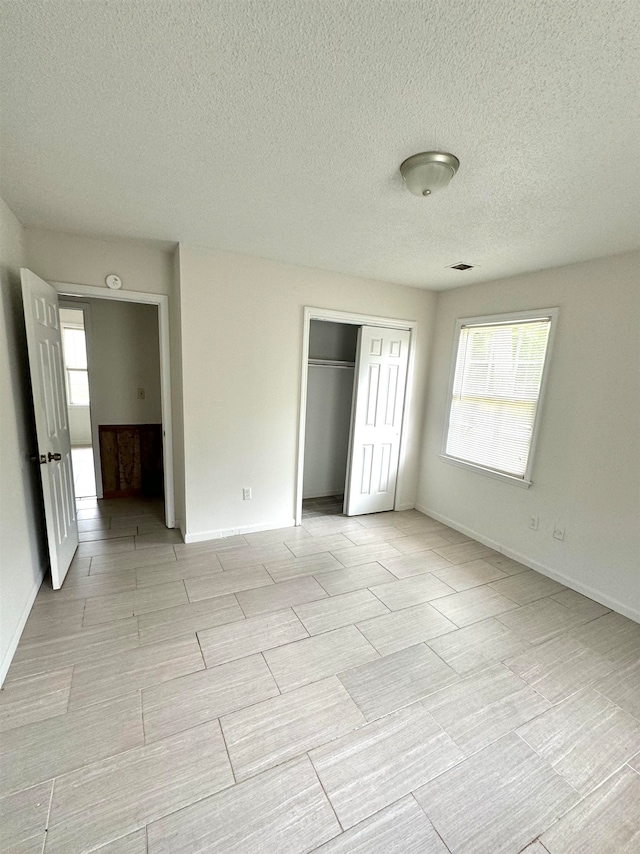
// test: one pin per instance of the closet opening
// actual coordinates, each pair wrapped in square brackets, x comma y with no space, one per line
[330,382]
[353,409]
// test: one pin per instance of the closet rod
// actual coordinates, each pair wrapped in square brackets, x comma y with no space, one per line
[331,363]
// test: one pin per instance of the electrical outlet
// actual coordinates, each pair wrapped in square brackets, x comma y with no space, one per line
[246,494]
[558,532]
[534,522]
[140,394]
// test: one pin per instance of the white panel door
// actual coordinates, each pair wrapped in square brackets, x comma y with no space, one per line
[381,378]
[44,343]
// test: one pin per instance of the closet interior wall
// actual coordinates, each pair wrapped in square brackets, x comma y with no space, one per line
[332,355]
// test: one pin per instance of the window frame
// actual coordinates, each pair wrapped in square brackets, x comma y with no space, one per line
[70,325]
[498,319]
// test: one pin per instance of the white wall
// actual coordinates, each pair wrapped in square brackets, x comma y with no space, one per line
[587,468]
[58,256]
[242,322]
[22,544]
[79,425]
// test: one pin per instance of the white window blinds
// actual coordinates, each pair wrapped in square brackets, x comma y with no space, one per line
[496,388]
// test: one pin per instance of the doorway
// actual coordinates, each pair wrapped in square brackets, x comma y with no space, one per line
[139,392]
[355,373]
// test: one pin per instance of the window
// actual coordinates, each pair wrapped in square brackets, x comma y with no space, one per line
[75,361]
[498,376]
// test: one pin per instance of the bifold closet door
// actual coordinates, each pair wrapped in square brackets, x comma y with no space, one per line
[381,378]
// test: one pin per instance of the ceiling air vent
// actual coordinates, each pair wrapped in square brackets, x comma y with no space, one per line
[461,266]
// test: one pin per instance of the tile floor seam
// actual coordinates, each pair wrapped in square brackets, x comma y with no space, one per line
[329,801]
[264,658]
[435,829]
[226,747]
[48,819]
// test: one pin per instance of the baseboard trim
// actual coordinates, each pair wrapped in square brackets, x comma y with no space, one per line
[408,505]
[550,572]
[15,640]
[203,536]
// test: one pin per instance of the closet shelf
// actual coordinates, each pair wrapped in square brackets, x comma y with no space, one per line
[331,363]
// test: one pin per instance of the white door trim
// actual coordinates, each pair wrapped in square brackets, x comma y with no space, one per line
[162,301]
[310,314]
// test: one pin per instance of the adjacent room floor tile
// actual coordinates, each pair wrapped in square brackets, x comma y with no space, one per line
[91,585]
[132,843]
[241,557]
[464,552]
[282,728]
[295,567]
[148,539]
[484,707]
[613,636]
[413,590]
[137,668]
[34,698]
[623,688]
[369,536]
[259,539]
[585,739]
[541,620]
[606,822]
[209,547]
[315,545]
[245,637]
[191,700]
[582,604]
[275,597]
[23,819]
[185,619]
[527,587]
[497,800]
[402,828]
[396,680]
[131,560]
[327,614]
[376,765]
[408,545]
[472,606]
[112,798]
[117,606]
[478,646]
[316,657]
[230,581]
[42,655]
[283,810]
[355,555]
[40,751]
[53,618]
[414,564]
[506,564]
[354,578]
[401,629]
[106,547]
[177,570]
[559,668]
[467,575]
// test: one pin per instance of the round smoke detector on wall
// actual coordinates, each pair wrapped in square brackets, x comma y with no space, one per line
[114,282]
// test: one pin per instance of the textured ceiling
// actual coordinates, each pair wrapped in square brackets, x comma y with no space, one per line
[276,128]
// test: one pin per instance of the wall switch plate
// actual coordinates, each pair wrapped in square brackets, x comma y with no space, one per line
[534,522]
[246,494]
[140,394]
[558,532]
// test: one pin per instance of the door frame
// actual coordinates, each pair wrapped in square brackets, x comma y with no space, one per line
[353,319]
[162,302]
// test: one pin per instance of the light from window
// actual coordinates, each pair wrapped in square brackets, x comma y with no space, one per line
[495,395]
[75,359]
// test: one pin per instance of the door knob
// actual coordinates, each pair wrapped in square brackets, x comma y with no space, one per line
[54,456]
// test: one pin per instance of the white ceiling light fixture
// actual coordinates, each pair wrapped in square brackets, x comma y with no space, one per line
[429,172]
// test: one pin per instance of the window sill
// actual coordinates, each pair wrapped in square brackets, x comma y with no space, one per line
[496,475]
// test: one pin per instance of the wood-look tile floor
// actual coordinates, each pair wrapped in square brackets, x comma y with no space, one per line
[377,684]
